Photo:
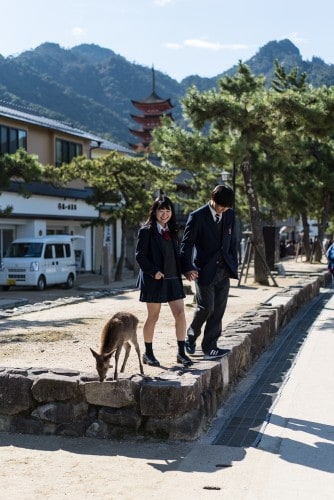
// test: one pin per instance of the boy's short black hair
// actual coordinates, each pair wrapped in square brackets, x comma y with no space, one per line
[223,195]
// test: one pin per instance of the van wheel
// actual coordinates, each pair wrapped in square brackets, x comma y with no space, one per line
[70,281]
[40,283]
[5,288]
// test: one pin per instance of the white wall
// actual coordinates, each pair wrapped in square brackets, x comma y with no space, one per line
[37,215]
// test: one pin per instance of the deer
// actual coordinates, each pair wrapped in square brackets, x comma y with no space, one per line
[120,331]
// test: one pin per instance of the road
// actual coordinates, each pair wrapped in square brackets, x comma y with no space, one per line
[32,296]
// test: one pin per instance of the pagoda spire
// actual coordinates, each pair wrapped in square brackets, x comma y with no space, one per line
[153,80]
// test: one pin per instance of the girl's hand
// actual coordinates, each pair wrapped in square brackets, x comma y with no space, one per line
[191,275]
[158,276]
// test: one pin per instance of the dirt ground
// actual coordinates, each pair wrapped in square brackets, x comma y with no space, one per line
[60,337]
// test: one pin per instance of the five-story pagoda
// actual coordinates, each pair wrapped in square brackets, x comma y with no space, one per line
[152,109]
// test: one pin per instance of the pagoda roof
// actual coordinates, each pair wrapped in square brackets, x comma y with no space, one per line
[142,134]
[153,106]
[153,103]
[154,98]
[142,148]
[149,121]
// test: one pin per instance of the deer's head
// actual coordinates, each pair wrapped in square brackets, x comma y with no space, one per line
[102,363]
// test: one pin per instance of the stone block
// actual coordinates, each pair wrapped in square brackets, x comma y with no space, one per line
[5,423]
[169,398]
[15,395]
[65,372]
[51,387]
[113,394]
[186,427]
[98,430]
[123,417]
[210,404]
[60,412]
[27,425]
[73,429]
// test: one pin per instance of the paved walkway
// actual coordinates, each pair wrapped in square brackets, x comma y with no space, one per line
[295,457]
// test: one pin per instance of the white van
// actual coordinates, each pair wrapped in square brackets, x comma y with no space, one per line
[39,262]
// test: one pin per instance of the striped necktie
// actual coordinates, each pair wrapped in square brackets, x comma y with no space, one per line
[217,218]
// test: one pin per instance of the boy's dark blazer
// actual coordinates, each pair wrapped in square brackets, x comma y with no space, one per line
[201,248]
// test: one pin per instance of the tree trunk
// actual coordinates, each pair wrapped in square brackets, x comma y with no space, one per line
[120,263]
[260,269]
[317,252]
[306,236]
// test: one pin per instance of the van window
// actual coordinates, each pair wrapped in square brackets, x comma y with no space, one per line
[59,250]
[68,250]
[48,252]
[24,250]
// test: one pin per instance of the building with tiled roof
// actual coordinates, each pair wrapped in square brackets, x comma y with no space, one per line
[51,210]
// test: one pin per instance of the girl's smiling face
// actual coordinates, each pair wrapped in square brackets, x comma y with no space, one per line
[163,215]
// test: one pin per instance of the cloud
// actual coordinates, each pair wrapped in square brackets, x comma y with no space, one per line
[78,32]
[198,43]
[173,45]
[162,3]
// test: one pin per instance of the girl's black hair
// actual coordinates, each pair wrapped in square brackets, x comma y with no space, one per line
[162,202]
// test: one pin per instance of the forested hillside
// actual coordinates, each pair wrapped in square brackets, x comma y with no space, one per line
[91,87]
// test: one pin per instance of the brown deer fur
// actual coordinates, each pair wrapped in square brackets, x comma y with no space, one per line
[119,331]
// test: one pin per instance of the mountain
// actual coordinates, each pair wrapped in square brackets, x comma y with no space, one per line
[91,87]
[318,72]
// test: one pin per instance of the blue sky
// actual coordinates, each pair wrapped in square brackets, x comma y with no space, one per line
[178,37]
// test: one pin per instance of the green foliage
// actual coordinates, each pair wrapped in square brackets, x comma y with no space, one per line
[19,166]
[122,186]
[304,127]
[198,157]
[280,139]
[282,81]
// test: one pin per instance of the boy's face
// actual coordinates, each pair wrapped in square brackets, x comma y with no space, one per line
[220,209]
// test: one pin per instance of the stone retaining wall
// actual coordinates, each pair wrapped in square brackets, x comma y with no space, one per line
[177,405]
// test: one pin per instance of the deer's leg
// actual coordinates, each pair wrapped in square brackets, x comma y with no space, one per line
[117,353]
[136,345]
[127,348]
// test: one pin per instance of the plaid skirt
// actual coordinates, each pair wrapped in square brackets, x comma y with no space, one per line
[165,290]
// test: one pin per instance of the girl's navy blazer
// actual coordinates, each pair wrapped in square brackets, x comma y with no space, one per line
[150,256]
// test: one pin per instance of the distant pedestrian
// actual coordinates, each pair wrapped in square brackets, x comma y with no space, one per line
[330,258]
[159,280]
[209,256]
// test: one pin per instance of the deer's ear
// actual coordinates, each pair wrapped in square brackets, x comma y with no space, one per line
[94,353]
